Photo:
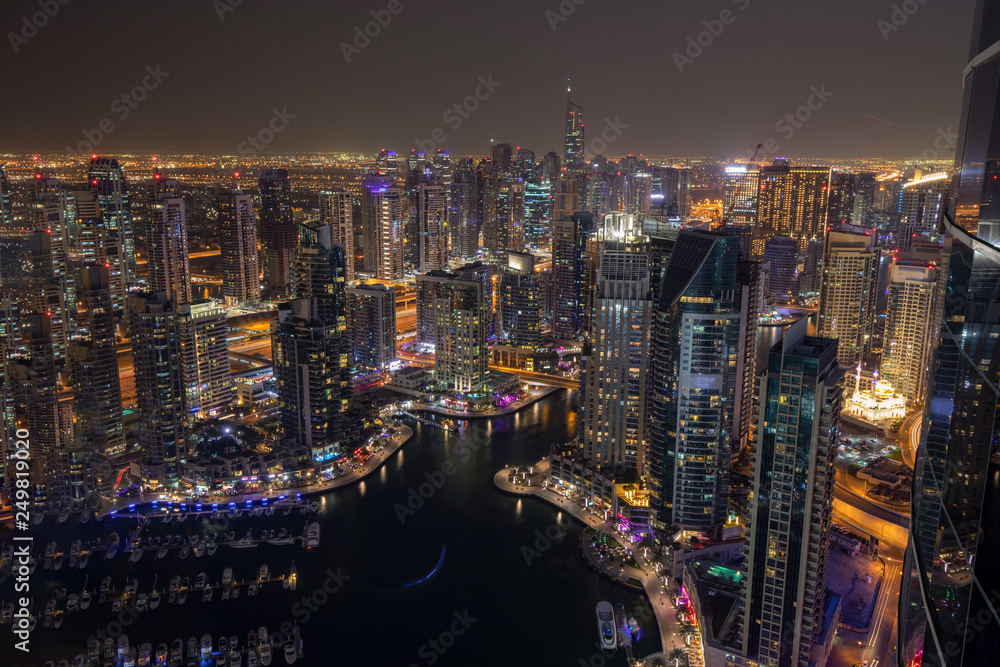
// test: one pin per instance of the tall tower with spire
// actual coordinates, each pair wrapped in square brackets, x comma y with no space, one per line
[573,145]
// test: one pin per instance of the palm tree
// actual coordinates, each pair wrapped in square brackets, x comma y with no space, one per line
[658,662]
[687,634]
[676,655]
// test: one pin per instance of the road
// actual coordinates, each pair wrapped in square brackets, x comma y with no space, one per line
[877,510]
[878,646]
[909,436]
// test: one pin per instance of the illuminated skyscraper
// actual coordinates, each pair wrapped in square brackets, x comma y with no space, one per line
[847,294]
[798,423]
[382,218]
[780,253]
[461,312]
[613,384]
[108,182]
[741,187]
[203,348]
[94,363]
[432,217]
[910,326]
[47,293]
[167,242]
[792,201]
[923,202]
[573,155]
[462,218]
[520,302]
[372,325]
[98,245]
[238,245]
[841,203]
[703,365]
[538,213]
[278,233]
[336,209]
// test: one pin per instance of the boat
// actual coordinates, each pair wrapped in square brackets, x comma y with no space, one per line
[313,506]
[93,650]
[161,654]
[221,661]
[206,596]
[57,562]
[182,518]
[244,542]
[85,599]
[606,625]
[251,658]
[131,587]
[145,653]
[136,555]
[109,647]
[206,647]
[185,550]
[235,659]
[175,583]
[234,641]
[154,600]
[269,511]
[200,580]
[225,593]
[50,550]
[262,636]
[154,543]
[262,574]
[199,551]
[72,562]
[633,625]
[265,653]
[177,650]
[114,540]
[210,549]
[251,639]
[122,647]
[312,535]
[252,589]
[167,518]
[193,540]
[73,602]
[182,596]
[263,535]
[291,655]
[85,517]
[110,553]
[38,518]
[57,621]
[142,602]
[62,517]
[116,605]
[74,549]
[223,645]
[236,592]
[83,561]
[7,613]
[162,552]
[227,576]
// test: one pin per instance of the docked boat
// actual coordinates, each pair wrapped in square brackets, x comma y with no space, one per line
[129,659]
[122,647]
[185,550]
[109,648]
[85,599]
[210,549]
[265,653]
[116,605]
[182,596]
[221,660]
[235,659]
[167,518]
[252,658]
[161,552]
[136,555]
[236,591]
[262,574]
[206,596]
[84,559]
[154,543]
[57,562]
[62,517]
[225,593]
[73,602]
[177,650]
[227,576]
[234,642]
[200,580]
[312,535]
[206,647]
[313,506]
[291,655]
[161,654]
[131,587]
[7,614]
[193,540]
[154,599]
[606,625]
[142,602]
[252,589]
[244,542]
[175,583]
[93,650]
[114,540]
[145,654]
[110,553]
[57,620]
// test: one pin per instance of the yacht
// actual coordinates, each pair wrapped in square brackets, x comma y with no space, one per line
[109,647]
[236,591]
[252,658]
[175,583]
[161,654]
[225,593]
[199,582]
[252,589]
[162,552]
[210,549]
[131,587]
[312,535]
[93,650]
[141,602]
[265,653]
[606,625]
[154,543]
[57,562]
[206,647]
[234,641]
[227,576]
[85,599]
[177,651]
[83,561]
[122,647]
[193,540]
[154,599]
[262,574]
[73,602]
[291,655]
[185,550]
[206,596]
[236,658]
[145,653]
[136,555]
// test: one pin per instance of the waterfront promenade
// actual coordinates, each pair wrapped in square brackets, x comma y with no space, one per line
[400,436]
[659,598]
[536,394]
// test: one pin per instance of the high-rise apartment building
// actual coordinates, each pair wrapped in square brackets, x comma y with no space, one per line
[792,201]
[167,242]
[372,325]
[780,253]
[613,384]
[382,219]
[463,222]
[98,245]
[336,208]
[239,248]
[573,153]
[798,403]
[740,189]
[203,350]
[702,370]
[922,204]
[278,234]
[910,326]
[520,302]
[432,223]
[848,294]
[108,182]
[461,312]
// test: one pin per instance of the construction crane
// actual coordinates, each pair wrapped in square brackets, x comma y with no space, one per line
[725,218]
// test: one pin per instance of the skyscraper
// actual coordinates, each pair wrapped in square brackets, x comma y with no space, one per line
[570,238]
[432,217]
[238,246]
[462,221]
[94,363]
[538,213]
[99,245]
[923,202]
[203,353]
[167,242]
[947,608]
[847,294]
[909,326]
[841,203]
[47,292]
[520,302]
[740,190]
[792,201]
[159,386]
[703,361]
[573,155]
[336,208]
[613,384]
[799,403]
[461,319]
[382,218]
[780,253]
[278,233]
[372,325]
[108,182]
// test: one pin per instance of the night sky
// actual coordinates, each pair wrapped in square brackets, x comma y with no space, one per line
[226,77]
